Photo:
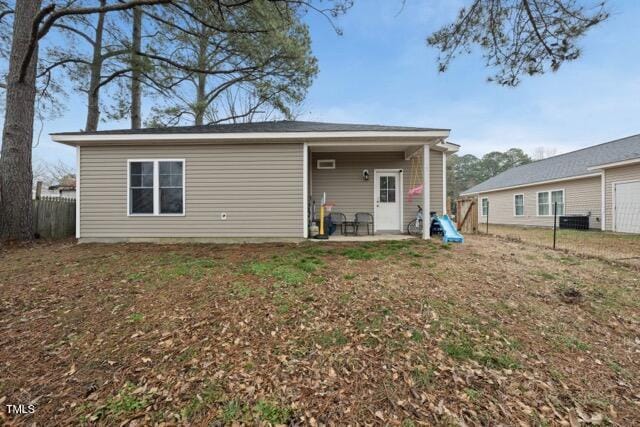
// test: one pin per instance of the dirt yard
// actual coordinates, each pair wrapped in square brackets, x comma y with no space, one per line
[400,333]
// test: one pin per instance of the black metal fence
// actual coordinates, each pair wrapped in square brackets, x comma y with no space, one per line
[578,233]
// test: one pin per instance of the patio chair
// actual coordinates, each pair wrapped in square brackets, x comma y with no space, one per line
[339,219]
[364,219]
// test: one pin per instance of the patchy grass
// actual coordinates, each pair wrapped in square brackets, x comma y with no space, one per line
[405,332]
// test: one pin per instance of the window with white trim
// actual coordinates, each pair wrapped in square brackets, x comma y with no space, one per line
[156,187]
[548,200]
[557,199]
[518,205]
[141,187]
[485,206]
[171,191]
[543,203]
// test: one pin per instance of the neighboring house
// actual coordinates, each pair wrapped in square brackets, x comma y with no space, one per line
[252,181]
[65,188]
[601,182]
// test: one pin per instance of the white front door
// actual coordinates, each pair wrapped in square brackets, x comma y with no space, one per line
[388,200]
[627,207]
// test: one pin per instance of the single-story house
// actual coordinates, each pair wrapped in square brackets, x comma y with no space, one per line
[601,182]
[251,181]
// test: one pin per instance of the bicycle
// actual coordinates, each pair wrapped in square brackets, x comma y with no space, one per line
[415,227]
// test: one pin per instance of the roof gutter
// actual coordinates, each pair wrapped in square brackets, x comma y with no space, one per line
[254,137]
[615,164]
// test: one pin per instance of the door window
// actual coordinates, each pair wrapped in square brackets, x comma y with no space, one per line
[387,189]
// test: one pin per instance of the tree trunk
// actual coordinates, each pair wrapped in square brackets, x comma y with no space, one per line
[136,93]
[93,109]
[17,136]
[201,102]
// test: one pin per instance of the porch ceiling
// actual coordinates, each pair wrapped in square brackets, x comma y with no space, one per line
[407,146]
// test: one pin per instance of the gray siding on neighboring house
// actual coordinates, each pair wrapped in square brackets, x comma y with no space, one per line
[623,173]
[581,196]
[350,193]
[259,186]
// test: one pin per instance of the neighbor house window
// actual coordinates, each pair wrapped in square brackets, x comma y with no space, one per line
[485,206]
[156,187]
[543,204]
[518,204]
[548,199]
[557,199]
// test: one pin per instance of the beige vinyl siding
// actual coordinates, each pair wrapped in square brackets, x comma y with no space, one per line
[350,193]
[623,173]
[581,196]
[258,186]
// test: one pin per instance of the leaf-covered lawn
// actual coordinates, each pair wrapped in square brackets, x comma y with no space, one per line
[404,332]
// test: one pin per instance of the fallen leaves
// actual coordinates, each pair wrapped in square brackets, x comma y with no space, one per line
[462,338]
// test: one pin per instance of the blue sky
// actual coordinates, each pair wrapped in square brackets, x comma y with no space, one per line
[381,71]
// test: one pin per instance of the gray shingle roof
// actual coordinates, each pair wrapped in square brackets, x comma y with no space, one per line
[575,163]
[275,126]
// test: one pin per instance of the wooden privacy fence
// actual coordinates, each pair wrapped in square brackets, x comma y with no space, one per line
[467,214]
[54,217]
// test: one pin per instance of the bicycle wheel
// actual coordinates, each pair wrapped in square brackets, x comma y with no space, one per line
[415,228]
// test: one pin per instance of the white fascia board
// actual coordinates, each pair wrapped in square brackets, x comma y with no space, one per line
[245,136]
[615,164]
[533,184]
[448,147]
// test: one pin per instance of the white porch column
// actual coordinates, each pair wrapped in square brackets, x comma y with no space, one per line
[445,208]
[305,190]
[78,192]
[426,193]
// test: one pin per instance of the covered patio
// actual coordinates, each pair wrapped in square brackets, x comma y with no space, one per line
[377,180]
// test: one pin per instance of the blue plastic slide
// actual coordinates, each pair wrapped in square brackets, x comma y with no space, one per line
[449,231]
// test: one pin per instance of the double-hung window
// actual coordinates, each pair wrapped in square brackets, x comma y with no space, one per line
[543,203]
[518,205]
[557,199]
[141,187]
[548,200]
[485,206]
[156,187]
